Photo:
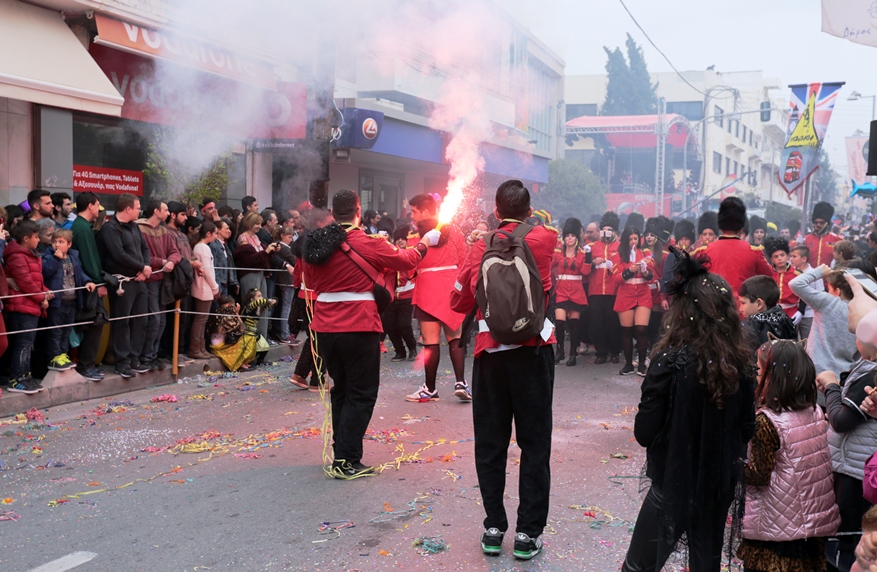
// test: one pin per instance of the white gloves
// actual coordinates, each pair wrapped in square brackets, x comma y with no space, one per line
[608,265]
[800,239]
[587,248]
[796,319]
[432,237]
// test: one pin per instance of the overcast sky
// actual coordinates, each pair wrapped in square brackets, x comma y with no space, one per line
[783,39]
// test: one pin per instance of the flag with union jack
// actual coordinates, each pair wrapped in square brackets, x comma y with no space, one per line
[809,113]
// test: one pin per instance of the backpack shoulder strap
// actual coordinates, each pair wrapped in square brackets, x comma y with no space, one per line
[360,262]
[522,230]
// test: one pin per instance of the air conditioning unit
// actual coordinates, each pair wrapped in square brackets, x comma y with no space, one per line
[340,155]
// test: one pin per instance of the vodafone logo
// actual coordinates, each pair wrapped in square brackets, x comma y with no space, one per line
[370,128]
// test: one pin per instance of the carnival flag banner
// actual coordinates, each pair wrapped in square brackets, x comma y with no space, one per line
[852,20]
[857,162]
[809,114]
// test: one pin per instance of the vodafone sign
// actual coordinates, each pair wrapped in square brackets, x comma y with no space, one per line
[370,128]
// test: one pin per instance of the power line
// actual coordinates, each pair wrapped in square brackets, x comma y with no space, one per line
[623,5]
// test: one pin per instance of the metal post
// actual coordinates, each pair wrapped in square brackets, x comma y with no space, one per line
[175,364]
[805,207]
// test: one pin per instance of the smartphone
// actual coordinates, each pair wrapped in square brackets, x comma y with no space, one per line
[868,283]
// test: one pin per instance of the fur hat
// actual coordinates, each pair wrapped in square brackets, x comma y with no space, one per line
[794,226]
[635,220]
[756,222]
[654,226]
[708,220]
[774,243]
[572,226]
[822,210]
[611,220]
[666,229]
[684,229]
[732,215]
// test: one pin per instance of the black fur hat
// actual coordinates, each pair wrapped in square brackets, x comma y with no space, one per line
[572,226]
[707,220]
[794,226]
[756,222]
[732,215]
[654,226]
[822,210]
[610,219]
[666,229]
[774,243]
[635,220]
[684,229]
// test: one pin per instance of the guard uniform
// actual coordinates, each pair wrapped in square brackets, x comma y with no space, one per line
[735,260]
[435,279]
[569,272]
[347,323]
[821,248]
[788,299]
[658,295]
[605,327]
[511,383]
[305,365]
[636,291]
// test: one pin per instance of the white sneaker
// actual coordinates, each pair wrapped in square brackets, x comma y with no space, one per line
[461,390]
[423,395]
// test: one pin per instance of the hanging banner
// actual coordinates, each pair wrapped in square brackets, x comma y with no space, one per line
[857,162]
[809,113]
[853,20]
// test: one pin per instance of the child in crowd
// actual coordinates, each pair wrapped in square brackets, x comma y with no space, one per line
[62,273]
[799,257]
[843,251]
[204,290]
[759,300]
[254,306]
[866,552]
[790,503]
[25,269]
[284,261]
[777,251]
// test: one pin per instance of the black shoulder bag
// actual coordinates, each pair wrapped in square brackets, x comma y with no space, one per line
[383,297]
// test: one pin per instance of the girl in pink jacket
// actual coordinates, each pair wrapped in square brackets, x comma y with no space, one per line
[790,503]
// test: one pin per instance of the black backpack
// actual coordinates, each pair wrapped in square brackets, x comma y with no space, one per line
[509,291]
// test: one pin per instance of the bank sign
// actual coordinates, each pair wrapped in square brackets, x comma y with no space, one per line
[360,130]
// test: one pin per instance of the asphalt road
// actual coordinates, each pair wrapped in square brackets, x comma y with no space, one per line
[229,477]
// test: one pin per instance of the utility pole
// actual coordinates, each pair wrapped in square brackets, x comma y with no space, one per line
[660,152]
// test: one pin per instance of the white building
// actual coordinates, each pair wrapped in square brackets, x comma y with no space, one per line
[731,141]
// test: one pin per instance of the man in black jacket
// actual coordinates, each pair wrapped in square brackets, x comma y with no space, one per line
[124,252]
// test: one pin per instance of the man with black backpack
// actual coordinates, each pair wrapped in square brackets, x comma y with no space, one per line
[346,268]
[507,274]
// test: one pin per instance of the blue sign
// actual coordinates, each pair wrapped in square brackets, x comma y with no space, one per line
[360,130]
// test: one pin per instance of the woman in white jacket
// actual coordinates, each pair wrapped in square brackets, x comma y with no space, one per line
[204,291]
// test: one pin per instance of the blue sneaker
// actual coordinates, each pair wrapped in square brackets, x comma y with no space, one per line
[24,385]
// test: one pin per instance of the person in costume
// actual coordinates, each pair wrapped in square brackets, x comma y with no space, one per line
[683,232]
[605,328]
[568,267]
[821,241]
[695,418]
[655,239]
[708,229]
[633,271]
[777,251]
[757,230]
[434,282]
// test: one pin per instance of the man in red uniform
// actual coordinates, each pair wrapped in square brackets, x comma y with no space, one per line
[821,240]
[605,327]
[435,280]
[777,249]
[340,260]
[732,258]
[511,383]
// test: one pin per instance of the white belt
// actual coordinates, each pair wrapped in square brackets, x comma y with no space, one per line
[345,297]
[787,306]
[635,281]
[547,328]
[437,268]
[654,286]
[407,288]
[569,276]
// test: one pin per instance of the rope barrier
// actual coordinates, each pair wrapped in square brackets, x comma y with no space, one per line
[25,295]
[86,323]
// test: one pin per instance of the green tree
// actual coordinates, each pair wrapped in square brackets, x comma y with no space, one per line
[629,90]
[825,181]
[188,167]
[572,190]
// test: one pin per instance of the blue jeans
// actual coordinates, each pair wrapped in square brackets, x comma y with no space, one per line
[21,345]
[60,317]
[286,295]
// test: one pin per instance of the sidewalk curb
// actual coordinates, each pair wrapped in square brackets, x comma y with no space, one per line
[63,387]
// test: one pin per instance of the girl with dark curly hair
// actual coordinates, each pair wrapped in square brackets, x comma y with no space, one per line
[695,418]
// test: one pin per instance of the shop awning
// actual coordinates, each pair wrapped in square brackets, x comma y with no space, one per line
[42,61]
[633,131]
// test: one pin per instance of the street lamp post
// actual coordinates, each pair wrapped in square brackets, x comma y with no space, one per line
[856,96]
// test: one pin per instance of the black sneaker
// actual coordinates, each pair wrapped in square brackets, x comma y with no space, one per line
[412,355]
[343,470]
[398,357]
[22,385]
[627,369]
[91,374]
[526,547]
[615,359]
[600,360]
[641,370]
[138,367]
[491,541]
[124,371]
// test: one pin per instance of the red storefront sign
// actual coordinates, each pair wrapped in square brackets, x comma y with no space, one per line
[624,203]
[162,92]
[107,181]
[167,46]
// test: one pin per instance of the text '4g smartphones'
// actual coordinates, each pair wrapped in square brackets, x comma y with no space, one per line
[868,283]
